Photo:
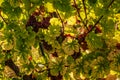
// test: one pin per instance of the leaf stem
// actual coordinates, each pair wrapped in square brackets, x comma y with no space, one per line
[79,14]
[42,51]
[61,21]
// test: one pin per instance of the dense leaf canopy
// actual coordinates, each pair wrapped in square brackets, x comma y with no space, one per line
[59,39]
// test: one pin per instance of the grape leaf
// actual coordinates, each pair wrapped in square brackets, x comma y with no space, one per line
[94,41]
[61,5]
[38,2]
[108,27]
[1,25]
[27,4]
[11,11]
[92,2]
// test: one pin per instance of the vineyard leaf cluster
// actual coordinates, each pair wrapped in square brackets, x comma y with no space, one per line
[59,39]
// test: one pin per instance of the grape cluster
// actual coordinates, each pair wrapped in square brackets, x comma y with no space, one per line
[55,54]
[82,41]
[76,55]
[36,25]
[44,23]
[118,45]
[47,46]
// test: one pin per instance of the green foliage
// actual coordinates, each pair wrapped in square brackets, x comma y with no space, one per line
[61,5]
[91,2]
[12,12]
[59,39]
[1,25]
[94,41]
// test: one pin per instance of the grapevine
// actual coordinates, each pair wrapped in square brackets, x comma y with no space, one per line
[59,39]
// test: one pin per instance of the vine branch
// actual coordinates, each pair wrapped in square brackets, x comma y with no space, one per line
[3,18]
[83,1]
[95,24]
[42,51]
[110,3]
[100,17]
[79,14]
[61,20]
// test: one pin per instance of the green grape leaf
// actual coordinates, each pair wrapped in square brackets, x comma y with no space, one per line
[11,11]
[14,3]
[67,76]
[1,57]
[108,27]
[17,11]
[92,2]
[54,72]
[39,2]
[70,46]
[30,66]
[63,40]
[49,7]
[54,30]
[61,5]
[27,4]
[1,25]
[6,7]
[55,22]
[42,76]
[70,60]
[94,41]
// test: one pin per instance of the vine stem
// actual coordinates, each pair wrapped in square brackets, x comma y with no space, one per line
[110,3]
[100,17]
[95,24]
[3,18]
[79,15]
[61,21]
[42,52]
[83,1]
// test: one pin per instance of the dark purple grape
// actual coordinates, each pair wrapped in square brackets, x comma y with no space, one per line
[47,46]
[118,45]
[81,38]
[53,14]
[31,21]
[6,51]
[36,25]
[59,77]
[84,45]
[55,54]
[45,22]
[76,55]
